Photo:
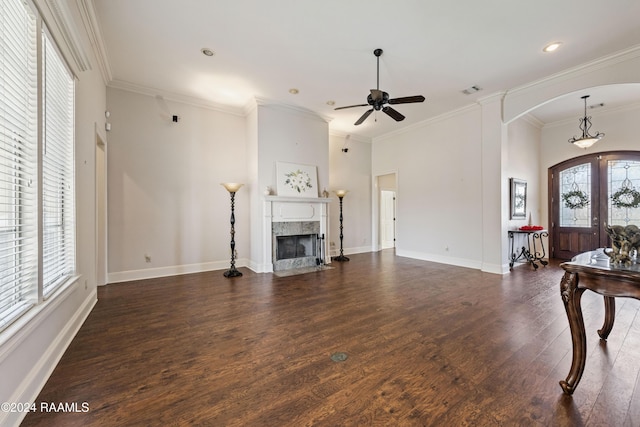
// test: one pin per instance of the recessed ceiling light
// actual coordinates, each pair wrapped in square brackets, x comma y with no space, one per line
[293,91]
[332,103]
[207,51]
[551,47]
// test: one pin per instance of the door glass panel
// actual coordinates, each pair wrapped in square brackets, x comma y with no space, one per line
[575,196]
[623,193]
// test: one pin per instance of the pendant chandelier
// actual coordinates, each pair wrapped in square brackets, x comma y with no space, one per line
[586,140]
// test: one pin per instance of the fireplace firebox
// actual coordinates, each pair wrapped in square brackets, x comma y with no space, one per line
[295,244]
[299,246]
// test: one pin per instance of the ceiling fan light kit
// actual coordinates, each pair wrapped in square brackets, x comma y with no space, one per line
[379,99]
[585,140]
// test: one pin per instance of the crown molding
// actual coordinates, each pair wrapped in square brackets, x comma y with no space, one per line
[571,73]
[352,136]
[532,120]
[271,103]
[60,22]
[491,98]
[250,107]
[170,96]
[602,112]
[430,121]
[92,28]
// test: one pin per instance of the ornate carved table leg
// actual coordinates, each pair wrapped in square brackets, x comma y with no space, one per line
[571,298]
[609,317]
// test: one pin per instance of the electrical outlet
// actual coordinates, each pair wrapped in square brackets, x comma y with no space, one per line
[446,248]
[147,258]
[332,244]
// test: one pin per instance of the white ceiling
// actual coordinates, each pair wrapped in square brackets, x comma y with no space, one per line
[434,48]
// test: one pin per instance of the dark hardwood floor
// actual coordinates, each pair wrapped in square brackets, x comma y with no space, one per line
[426,344]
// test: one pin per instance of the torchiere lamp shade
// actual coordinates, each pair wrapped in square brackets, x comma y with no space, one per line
[232,187]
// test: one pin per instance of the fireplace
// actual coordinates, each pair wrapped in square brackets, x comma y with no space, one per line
[295,244]
[294,228]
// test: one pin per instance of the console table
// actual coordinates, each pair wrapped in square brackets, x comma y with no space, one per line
[524,252]
[594,271]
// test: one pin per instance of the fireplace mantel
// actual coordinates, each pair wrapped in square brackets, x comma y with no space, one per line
[293,209]
[297,199]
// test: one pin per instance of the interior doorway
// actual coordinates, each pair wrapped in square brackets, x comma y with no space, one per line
[101,212]
[387,210]
[387,219]
[586,194]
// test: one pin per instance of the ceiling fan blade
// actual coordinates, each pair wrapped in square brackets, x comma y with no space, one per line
[351,106]
[407,99]
[376,94]
[363,117]
[395,115]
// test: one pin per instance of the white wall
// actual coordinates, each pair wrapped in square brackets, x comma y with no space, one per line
[523,162]
[291,135]
[164,194]
[33,345]
[439,188]
[350,171]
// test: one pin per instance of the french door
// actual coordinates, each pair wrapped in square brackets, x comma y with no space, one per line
[587,193]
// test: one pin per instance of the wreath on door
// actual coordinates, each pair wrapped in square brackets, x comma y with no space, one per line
[626,197]
[575,199]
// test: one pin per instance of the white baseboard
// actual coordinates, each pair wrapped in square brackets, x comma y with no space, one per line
[151,273]
[495,268]
[351,251]
[260,268]
[174,270]
[460,262]
[34,381]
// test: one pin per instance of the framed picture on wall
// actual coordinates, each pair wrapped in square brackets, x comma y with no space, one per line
[518,198]
[295,180]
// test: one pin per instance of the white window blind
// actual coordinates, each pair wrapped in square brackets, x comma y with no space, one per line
[58,225]
[37,209]
[18,151]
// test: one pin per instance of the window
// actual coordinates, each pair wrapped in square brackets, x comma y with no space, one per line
[623,196]
[36,169]
[575,194]
[57,171]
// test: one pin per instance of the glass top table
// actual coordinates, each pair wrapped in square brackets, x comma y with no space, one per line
[593,271]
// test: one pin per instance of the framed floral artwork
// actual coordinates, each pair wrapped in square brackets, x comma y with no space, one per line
[296,180]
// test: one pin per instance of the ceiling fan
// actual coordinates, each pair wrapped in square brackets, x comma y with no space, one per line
[377,99]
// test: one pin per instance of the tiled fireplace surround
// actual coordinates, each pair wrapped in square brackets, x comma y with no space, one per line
[295,216]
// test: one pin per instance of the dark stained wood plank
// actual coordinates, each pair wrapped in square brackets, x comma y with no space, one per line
[622,352]
[427,344]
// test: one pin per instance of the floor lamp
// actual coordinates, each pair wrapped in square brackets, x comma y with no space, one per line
[341,257]
[232,188]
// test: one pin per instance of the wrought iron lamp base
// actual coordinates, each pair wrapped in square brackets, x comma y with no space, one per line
[232,273]
[340,258]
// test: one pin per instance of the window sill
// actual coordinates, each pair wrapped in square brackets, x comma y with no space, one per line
[23,326]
